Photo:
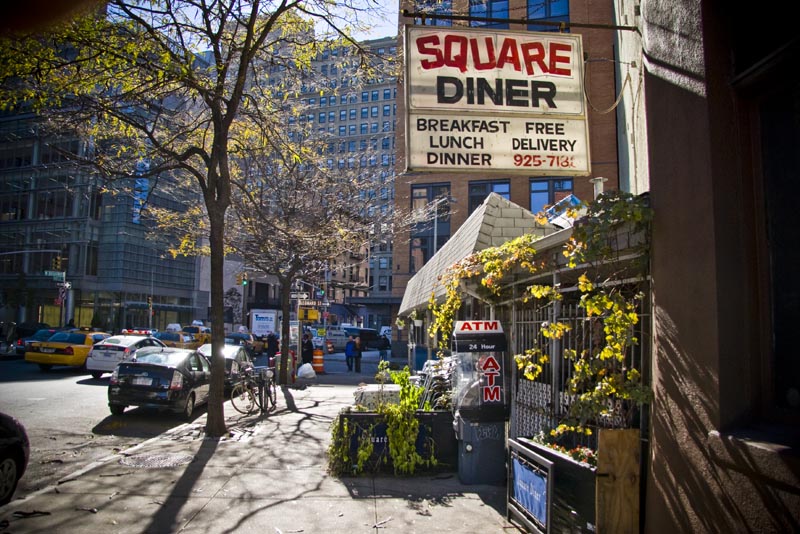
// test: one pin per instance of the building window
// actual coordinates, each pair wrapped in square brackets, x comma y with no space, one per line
[364,113]
[383,283]
[431,219]
[387,94]
[547,10]
[488,9]
[478,191]
[548,191]
[374,111]
[343,115]
[436,7]
[387,110]
[375,94]
[365,96]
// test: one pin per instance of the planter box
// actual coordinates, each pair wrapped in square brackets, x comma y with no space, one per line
[435,431]
[572,506]
[601,500]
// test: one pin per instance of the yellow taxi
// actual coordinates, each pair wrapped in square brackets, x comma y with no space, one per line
[179,340]
[64,348]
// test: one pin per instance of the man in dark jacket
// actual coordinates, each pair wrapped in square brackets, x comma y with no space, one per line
[307,349]
[358,353]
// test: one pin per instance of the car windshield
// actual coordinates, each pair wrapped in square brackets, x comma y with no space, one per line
[161,358]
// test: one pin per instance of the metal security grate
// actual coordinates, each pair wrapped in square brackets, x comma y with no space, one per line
[157,460]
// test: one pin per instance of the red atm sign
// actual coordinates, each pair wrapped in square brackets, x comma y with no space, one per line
[492,381]
[463,327]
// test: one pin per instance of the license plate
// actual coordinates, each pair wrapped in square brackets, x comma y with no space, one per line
[142,381]
[48,351]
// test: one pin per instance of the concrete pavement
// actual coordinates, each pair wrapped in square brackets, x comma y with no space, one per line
[268,475]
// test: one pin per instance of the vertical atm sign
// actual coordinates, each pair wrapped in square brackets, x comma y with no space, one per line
[486,338]
[491,378]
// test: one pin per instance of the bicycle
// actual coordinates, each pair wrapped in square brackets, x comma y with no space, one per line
[257,390]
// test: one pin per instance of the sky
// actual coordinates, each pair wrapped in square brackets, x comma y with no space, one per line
[386,25]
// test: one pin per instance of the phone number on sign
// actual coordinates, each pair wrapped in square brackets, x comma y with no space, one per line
[527,160]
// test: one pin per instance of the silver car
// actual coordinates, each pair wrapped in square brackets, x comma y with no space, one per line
[107,354]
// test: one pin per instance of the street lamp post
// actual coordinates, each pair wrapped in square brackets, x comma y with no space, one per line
[435,206]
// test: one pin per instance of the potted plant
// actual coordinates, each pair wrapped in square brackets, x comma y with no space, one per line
[400,323]
[397,436]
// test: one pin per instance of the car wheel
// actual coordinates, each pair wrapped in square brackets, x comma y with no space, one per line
[116,409]
[188,410]
[96,375]
[9,476]
[45,367]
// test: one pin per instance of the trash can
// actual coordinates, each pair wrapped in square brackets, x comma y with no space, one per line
[420,357]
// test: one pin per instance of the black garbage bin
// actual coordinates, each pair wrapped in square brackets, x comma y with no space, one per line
[481,451]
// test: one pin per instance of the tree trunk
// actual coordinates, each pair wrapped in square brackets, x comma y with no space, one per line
[215,424]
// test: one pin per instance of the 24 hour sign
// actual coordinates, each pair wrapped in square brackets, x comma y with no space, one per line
[493,100]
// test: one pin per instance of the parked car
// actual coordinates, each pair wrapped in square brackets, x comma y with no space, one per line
[165,378]
[105,355]
[15,452]
[237,361]
[244,339]
[27,329]
[24,343]
[178,340]
[64,348]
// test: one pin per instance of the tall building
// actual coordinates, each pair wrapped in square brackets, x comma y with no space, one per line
[445,199]
[57,217]
[351,117]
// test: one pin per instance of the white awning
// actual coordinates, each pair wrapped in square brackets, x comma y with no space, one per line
[495,221]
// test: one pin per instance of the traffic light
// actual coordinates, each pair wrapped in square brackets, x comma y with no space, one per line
[56,263]
[239,279]
[149,302]
[244,279]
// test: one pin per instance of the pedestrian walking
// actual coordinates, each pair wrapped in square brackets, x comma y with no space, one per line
[359,349]
[349,352]
[384,347]
[307,349]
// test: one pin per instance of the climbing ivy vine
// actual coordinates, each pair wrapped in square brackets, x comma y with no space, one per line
[600,374]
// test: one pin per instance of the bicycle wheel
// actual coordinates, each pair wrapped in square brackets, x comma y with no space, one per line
[242,399]
[271,394]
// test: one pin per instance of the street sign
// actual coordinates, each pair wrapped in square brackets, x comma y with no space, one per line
[55,275]
[301,296]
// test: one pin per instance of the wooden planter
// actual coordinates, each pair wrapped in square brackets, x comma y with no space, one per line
[435,435]
[598,500]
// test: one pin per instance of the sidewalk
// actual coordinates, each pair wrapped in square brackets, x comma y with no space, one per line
[268,476]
